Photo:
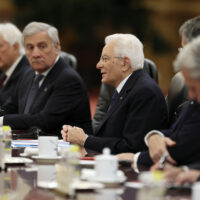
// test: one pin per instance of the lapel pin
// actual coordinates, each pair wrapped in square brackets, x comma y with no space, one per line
[45,89]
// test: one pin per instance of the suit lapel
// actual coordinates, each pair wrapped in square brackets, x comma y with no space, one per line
[122,96]
[23,63]
[28,84]
[51,76]
[187,112]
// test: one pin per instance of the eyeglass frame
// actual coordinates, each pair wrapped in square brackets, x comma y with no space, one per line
[106,58]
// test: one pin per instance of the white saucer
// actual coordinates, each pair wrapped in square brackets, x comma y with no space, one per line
[49,185]
[86,185]
[87,162]
[18,160]
[23,154]
[90,175]
[80,185]
[46,159]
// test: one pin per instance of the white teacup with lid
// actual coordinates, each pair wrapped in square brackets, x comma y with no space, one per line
[106,166]
[196,191]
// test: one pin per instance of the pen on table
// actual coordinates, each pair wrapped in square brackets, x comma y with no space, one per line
[162,161]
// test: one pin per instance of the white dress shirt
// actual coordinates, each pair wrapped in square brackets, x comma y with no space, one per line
[11,70]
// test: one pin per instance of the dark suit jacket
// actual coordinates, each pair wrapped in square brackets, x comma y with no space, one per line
[107,91]
[195,165]
[140,108]
[186,132]
[61,99]
[8,89]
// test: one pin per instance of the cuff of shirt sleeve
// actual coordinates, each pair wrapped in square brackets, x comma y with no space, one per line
[1,121]
[150,133]
[185,168]
[135,159]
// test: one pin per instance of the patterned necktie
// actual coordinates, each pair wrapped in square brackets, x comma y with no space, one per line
[113,100]
[2,79]
[32,93]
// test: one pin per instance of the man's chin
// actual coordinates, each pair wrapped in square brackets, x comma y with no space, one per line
[103,80]
[39,68]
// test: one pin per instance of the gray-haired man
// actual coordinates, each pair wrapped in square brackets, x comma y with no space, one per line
[51,93]
[13,62]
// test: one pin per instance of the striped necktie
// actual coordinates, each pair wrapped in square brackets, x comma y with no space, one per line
[32,93]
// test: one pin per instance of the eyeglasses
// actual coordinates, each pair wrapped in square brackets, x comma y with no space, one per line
[107,58]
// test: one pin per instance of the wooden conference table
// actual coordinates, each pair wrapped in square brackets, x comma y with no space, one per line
[20,183]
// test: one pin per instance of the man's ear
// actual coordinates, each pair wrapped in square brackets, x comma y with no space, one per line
[16,46]
[126,64]
[16,49]
[57,45]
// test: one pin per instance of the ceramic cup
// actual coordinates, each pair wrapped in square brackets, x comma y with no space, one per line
[106,166]
[46,176]
[196,191]
[48,146]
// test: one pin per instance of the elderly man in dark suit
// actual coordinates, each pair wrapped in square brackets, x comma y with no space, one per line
[137,104]
[181,142]
[13,63]
[51,93]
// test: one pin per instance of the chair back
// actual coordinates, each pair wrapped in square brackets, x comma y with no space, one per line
[69,59]
[177,97]
[151,69]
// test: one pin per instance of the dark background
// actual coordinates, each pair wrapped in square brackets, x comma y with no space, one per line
[83,25]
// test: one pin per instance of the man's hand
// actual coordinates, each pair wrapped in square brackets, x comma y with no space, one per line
[190,176]
[74,135]
[64,132]
[158,147]
[126,156]
[170,171]
[177,175]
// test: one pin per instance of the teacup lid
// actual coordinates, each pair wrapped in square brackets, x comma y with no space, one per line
[106,155]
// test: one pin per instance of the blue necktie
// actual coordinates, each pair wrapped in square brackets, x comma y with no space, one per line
[113,100]
[32,93]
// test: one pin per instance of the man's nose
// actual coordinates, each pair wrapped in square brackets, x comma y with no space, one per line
[36,52]
[99,65]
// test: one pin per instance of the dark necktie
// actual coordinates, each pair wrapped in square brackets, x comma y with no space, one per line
[113,100]
[32,93]
[2,79]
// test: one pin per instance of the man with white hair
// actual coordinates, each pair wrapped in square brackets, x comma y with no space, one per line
[51,93]
[13,62]
[136,107]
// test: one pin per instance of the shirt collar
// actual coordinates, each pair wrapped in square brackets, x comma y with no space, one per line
[49,69]
[122,83]
[11,69]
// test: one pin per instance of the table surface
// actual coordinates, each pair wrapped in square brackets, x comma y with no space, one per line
[20,183]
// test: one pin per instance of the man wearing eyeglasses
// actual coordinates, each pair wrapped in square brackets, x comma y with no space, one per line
[137,105]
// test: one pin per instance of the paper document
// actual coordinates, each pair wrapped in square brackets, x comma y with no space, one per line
[34,143]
